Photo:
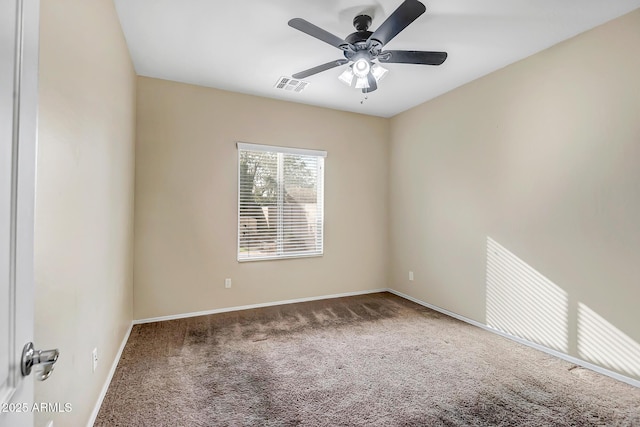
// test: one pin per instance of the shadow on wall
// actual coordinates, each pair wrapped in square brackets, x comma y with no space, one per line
[524,303]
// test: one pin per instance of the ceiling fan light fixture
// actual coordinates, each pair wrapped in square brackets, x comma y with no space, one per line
[363,50]
[378,72]
[347,76]
[361,68]
[362,83]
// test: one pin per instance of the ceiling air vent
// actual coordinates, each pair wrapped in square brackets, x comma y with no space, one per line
[291,85]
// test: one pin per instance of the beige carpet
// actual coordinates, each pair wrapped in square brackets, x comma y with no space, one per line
[374,360]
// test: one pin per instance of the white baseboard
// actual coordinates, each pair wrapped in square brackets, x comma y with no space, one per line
[248,307]
[564,356]
[112,371]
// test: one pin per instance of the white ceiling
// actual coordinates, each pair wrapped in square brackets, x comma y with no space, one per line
[245,46]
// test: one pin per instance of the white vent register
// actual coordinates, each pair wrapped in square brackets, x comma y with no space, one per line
[291,85]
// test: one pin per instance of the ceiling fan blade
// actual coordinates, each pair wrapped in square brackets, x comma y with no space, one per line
[373,85]
[319,69]
[317,32]
[400,19]
[412,57]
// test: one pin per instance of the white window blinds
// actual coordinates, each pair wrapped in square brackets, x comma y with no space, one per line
[280,202]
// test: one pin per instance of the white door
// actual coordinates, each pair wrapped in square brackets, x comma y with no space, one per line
[18,125]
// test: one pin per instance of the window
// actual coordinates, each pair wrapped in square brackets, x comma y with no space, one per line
[280,202]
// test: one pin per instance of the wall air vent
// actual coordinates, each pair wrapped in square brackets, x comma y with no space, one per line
[291,85]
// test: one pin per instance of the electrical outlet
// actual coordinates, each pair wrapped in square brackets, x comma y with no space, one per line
[94,359]
[227,283]
[411,276]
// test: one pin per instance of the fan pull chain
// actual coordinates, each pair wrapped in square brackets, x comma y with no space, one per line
[364,99]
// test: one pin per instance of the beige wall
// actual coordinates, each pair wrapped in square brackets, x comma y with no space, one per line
[543,157]
[84,199]
[186,201]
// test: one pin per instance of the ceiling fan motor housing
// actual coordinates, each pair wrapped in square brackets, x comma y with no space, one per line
[361,23]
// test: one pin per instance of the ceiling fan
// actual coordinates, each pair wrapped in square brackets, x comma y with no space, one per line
[363,49]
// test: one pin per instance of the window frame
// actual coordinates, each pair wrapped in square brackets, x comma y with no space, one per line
[320,155]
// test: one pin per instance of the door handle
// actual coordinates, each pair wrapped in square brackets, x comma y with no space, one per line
[31,357]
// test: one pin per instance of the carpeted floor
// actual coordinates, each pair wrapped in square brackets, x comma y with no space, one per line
[373,360]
